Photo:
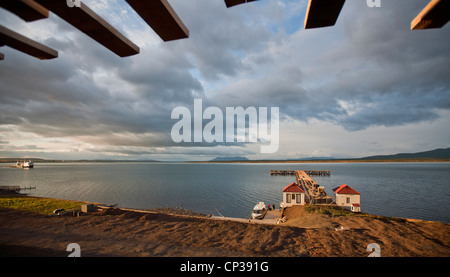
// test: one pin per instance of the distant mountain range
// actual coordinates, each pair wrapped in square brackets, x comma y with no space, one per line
[439,153]
[237,158]
[436,154]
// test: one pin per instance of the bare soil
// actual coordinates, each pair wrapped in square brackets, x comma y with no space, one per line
[115,232]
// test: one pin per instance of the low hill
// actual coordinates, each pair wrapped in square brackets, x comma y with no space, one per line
[432,154]
[221,159]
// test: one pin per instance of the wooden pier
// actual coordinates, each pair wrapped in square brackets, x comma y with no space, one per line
[309,172]
[282,172]
[314,194]
[14,189]
[318,172]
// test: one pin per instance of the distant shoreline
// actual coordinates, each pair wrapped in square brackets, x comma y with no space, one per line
[334,161]
[424,160]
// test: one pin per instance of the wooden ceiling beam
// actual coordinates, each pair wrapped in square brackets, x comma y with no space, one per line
[28,10]
[90,23]
[26,45]
[161,17]
[231,3]
[322,13]
[435,15]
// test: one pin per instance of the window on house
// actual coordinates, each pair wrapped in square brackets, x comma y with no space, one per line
[348,200]
[288,198]
[299,199]
[293,196]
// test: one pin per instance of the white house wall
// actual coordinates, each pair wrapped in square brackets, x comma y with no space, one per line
[341,199]
[293,201]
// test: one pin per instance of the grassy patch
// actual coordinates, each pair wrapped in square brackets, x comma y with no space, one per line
[338,211]
[37,204]
[328,210]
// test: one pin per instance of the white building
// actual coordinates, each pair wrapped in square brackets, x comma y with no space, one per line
[293,195]
[348,198]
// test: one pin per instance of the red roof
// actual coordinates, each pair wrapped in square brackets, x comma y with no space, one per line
[293,188]
[356,205]
[344,189]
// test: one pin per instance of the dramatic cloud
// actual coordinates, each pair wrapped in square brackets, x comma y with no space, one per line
[367,74]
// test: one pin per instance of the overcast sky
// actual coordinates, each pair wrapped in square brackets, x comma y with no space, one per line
[366,86]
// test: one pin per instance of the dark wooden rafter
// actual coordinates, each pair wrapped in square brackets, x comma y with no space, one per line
[435,15]
[90,23]
[322,13]
[26,45]
[231,3]
[161,17]
[28,10]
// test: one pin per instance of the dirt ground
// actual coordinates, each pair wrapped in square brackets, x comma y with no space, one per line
[121,233]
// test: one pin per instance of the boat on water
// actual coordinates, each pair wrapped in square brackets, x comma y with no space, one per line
[24,164]
[259,211]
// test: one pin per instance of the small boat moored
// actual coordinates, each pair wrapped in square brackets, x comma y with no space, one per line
[259,211]
[28,164]
[24,164]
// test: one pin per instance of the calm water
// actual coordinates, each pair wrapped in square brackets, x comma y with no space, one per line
[413,190]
